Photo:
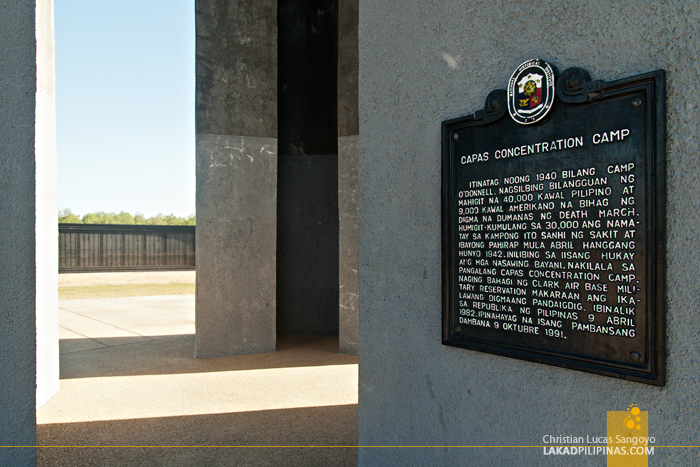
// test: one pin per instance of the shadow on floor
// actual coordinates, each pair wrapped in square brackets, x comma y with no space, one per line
[296,428]
[169,355]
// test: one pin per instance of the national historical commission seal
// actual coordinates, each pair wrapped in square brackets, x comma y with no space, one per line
[531,91]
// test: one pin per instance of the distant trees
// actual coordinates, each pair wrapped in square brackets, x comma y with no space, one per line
[65,216]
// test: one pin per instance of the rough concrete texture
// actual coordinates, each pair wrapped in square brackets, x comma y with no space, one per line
[348,67]
[46,208]
[348,260]
[236,67]
[17,250]
[418,69]
[236,238]
[307,244]
[236,120]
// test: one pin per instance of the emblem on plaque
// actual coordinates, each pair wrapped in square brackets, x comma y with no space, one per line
[531,91]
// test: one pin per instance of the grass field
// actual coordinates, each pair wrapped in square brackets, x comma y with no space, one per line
[125,290]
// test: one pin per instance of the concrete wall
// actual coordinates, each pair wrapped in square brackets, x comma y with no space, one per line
[236,120]
[46,208]
[272,115]
[348,261]
[424,63]
[17,252]
[348,129]
[29,274]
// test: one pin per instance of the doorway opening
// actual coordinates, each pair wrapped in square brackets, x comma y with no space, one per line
[307,190]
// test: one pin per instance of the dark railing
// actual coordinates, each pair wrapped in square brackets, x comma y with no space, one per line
[110,247]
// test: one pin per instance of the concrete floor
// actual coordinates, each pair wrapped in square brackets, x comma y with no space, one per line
[133,395]
[126,278]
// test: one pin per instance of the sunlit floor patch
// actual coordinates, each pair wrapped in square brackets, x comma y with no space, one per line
[133,358]
[164,315]
[151,396]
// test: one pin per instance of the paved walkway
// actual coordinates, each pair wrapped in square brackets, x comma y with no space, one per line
[128,378]
[124,278]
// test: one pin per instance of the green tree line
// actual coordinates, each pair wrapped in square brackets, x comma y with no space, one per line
[65,216]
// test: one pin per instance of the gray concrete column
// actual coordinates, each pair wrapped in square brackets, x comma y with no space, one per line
[28,276]
[236,120]
[348,130]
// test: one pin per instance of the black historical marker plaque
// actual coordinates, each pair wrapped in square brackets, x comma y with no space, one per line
[553,202]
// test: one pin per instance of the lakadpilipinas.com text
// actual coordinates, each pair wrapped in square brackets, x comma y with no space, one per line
[598,445]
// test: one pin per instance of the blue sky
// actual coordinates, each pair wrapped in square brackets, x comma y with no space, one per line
[125,106]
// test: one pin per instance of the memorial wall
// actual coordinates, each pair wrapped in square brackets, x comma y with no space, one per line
[527,248]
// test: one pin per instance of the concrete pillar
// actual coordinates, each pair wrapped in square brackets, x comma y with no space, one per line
[28,276]
[46,208]
[348,131]
[236,122]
